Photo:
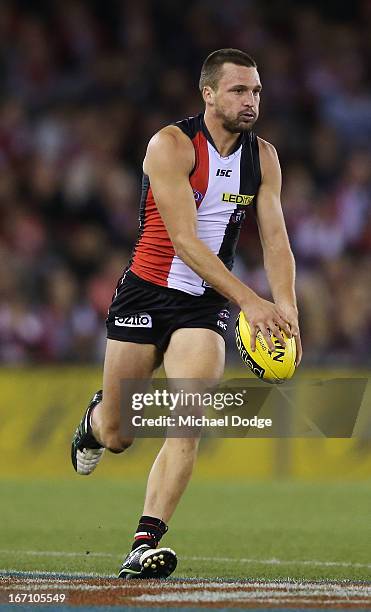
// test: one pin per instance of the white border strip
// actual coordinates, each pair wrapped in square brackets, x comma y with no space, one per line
[303,562]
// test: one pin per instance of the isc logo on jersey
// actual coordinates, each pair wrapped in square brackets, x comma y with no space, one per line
[141,319]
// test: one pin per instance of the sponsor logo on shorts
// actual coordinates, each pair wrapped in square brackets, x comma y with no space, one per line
[141,319]
[223,317]
[224,314]
[237,198]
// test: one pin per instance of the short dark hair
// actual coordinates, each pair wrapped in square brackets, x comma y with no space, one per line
[211,68]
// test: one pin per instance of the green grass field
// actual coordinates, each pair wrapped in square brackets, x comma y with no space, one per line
[229,530]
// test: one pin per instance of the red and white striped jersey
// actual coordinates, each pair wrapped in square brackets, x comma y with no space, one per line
[223,187]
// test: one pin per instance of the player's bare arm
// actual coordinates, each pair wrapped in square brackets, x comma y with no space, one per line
[279,261]
[168,163]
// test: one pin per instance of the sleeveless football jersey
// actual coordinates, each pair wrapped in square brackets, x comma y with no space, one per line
[223,188]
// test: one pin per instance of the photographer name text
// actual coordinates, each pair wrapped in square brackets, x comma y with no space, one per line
[201,421]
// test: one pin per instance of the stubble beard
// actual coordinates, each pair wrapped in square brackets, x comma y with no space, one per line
[234,126]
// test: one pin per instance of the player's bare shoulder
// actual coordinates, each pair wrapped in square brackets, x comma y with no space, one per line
[269,162]
[169,146]
[268,153]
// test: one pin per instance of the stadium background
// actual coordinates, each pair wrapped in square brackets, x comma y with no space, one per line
[84,86]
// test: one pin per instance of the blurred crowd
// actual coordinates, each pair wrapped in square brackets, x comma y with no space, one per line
[85,85]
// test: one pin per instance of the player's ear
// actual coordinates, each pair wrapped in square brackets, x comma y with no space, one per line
[208,95]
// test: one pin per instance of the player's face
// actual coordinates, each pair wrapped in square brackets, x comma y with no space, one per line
[236,99]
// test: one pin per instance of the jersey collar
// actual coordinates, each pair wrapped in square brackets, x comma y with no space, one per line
[211,141]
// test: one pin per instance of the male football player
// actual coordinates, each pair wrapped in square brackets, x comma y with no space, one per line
[179,282]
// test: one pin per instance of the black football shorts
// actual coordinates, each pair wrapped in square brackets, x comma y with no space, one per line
[146,313]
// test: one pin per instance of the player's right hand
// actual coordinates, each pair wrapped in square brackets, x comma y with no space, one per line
[264,316]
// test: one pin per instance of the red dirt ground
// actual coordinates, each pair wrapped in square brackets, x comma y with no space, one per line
[192,593]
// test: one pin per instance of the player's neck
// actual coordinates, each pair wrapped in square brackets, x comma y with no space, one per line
[223,140]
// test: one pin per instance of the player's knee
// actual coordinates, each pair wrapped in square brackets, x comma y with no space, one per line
[115,442]
[184,446]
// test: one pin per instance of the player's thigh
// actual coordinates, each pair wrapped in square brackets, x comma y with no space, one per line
[195,353]
[194,361]
[125,361]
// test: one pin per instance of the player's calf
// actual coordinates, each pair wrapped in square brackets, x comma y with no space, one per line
[113,441]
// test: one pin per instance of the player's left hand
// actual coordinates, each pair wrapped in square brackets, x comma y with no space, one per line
[290,314]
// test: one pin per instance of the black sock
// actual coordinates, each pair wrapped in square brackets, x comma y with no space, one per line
[150,531]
